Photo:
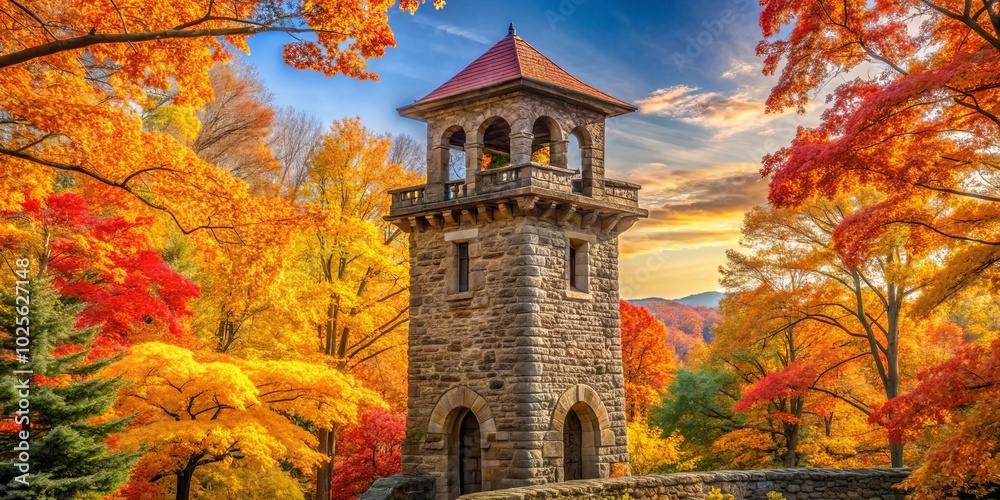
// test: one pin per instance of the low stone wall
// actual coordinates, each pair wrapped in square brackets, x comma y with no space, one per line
[795,484]
[401,487]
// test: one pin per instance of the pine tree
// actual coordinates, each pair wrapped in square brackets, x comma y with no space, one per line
[69,457]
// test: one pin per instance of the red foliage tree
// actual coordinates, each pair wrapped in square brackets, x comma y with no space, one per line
[371,450]
[107,262]
[647,362]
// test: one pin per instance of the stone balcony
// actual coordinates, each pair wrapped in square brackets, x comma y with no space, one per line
[513,181]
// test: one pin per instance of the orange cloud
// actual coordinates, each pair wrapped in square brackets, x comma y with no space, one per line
[695,208]
[727,114]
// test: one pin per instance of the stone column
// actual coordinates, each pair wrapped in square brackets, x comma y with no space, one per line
[473,154]
[437,173]
[593,171]
[557,153]
[520,148]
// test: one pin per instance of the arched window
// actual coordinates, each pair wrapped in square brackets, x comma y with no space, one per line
[547,146]
[454,162]
[494,135]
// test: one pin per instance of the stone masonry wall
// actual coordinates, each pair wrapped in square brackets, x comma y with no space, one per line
[518,349]
[794,484]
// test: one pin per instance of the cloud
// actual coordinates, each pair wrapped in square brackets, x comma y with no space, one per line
[737,69]
[695,208]
[454,30]
[464,33]
[726,114]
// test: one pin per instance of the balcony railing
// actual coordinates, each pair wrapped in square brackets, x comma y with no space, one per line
[529,174]
[454,190]
[621,192]
[535,175]
[408,196]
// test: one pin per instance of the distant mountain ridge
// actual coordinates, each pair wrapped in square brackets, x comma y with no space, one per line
[707,299]
[688,320]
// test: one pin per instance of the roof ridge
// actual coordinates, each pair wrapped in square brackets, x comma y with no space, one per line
[517,53]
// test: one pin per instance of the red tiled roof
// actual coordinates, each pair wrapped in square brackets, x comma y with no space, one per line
[510,59]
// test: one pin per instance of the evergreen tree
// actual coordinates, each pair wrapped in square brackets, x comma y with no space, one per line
[68,454]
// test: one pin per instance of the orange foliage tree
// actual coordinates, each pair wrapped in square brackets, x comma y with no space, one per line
[954,408]
[851,312]
[922,130]
[74,73]
[357,263]
[647,364]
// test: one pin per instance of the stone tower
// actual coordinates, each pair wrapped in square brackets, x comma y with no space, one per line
[515,374]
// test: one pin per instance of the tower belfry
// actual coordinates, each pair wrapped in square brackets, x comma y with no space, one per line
[515,374]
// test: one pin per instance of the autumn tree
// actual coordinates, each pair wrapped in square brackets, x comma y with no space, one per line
[922,125]
[647,363]
[107,263]
[358,259]
[65,425]
[698,403]
[953,410]
[373,449]
[295,136]
[197,408]
[651,453]
[75,73]
[409,153]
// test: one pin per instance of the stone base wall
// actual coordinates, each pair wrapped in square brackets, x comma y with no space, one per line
[794,484]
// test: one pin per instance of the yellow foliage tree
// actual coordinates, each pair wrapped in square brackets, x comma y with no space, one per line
[649,452]
[199,408]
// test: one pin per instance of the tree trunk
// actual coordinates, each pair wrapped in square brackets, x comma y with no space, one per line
[892,361]
[324,476]
[792,434]
[791,455]
[184,484]
[896,455]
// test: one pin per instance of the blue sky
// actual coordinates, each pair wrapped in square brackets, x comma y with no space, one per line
[694,145]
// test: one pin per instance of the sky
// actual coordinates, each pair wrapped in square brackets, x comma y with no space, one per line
[694,145]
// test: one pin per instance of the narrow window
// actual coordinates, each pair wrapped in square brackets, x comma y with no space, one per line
[463,267]
[577,265]
[572,268]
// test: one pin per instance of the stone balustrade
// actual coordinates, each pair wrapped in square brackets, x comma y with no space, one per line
[502,179]
[408,196]
[621,192]
[454,190]
[528,174]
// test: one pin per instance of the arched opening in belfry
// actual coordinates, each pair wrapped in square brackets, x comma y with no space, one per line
[581,435]
[466,454]
[547,146]
[579,139]
[454,162]
[495,138]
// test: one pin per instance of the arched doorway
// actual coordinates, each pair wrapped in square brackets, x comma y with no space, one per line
[469,454]
[572,447]
[584,427]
